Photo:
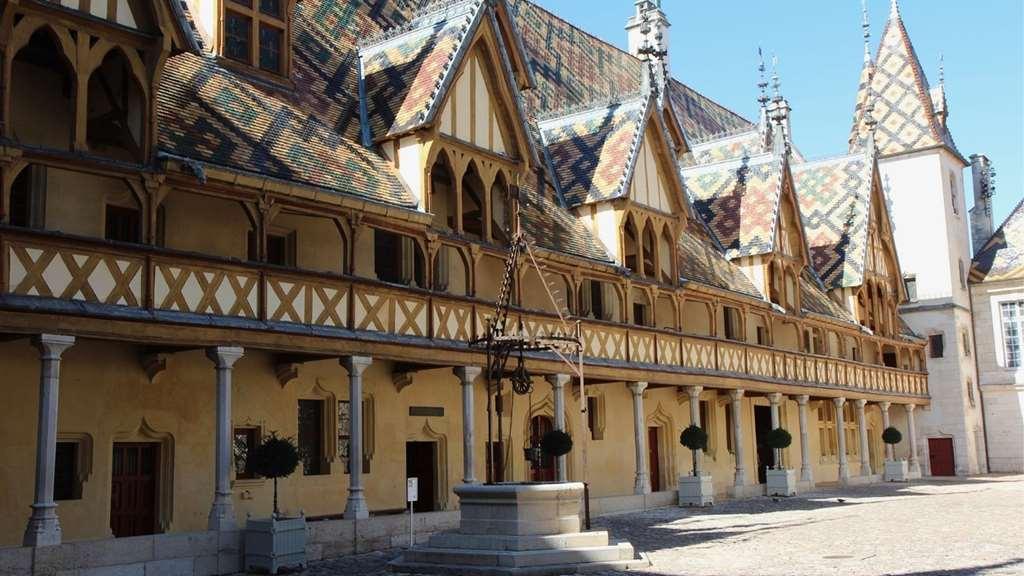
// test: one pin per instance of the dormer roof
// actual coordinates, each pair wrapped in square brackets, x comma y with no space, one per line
[1002,256]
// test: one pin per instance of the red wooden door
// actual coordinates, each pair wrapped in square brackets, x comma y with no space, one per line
[133,489]
[940,456]
[654,459]
[545,472]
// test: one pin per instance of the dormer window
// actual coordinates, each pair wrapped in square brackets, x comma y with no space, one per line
[256,34]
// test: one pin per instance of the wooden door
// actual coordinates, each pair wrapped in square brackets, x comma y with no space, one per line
[545,470]
[654,458]
[421,463]
[133,489]
[940,456]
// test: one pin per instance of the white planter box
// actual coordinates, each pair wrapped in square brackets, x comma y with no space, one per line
[780,482]
[275,543]
[896,471]
[696,490]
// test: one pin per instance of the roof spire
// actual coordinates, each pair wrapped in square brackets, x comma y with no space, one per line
[762,83]
[776,84]
[942,70]
[780,142]
[894,9]
[865,25]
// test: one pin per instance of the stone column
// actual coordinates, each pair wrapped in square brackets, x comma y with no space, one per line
[43,527]
[737,437]
[355,507]
[806,470]
[774,399]
[222,512]
[467,376]
[641,484]
[844,468]
[915,466]
[862,430]
[694,392]
[889,454]
[558,382]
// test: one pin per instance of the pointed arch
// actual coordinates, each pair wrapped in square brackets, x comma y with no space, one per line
[473,202]
[44,89]
[649,245]
[429,433]
[116,117]
[666,255]
[443,200]
[144,432]
[502,224]
[663,420]
[631,257]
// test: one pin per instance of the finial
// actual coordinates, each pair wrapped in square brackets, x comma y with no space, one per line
[865,25]
[894,9]
[776,84]
[942,70]
[762,83]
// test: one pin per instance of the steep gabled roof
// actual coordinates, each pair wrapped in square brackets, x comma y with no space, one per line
[835,203]
[1002,257]
[814,300]
[747,142]
[739,200]
[702,262]
[551,226]
[902,98]
[703,118]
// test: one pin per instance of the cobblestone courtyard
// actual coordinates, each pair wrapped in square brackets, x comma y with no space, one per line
[958,527]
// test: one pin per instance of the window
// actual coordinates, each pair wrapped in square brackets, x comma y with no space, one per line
[28,198]
[595,417]
[639,314]
[910,283]
[935,345]
[705,421]
[954,195]
[281,249]
[311,437]
[970,393]
[852,435]
[598,300]
[963,278]
[501,212]
[344,421]
[122,224]
[256,37]
[1013,331]
[472,204]
[66,484]
[965,341]
[245,441]
[827,439]
[397,259]
[762,336]
[733,328]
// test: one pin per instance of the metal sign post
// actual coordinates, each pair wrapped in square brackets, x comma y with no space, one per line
[411,495]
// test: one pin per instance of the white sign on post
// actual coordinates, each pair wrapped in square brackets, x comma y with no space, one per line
[412,490]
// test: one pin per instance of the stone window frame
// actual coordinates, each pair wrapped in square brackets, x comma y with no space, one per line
[999,329]
[83,459]
[254,480]
[826,421]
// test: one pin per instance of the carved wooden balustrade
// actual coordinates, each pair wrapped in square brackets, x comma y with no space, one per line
[54,266]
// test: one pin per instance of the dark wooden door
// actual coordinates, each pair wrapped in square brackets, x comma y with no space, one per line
[654,458]
[940,456]
[133,489]
[545,470]
[421,463]
[765,455]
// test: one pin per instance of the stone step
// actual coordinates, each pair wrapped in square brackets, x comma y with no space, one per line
[517,559]
[515,543]
[546,570]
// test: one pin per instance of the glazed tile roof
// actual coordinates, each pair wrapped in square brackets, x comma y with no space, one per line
[835,203]
[814,300]
[404,72]
[1002,257]
[593,151]
[552,227]
[739,200]
[702,118]
[902,98]
[726,147]
[701,261]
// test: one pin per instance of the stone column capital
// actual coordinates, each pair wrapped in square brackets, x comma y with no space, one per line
[860,403]
[637,387]
[355,365]
[558,380]
[885,406]
[910,407]
[736,395]
[694,391]
[803,399]
[224,356]
[775,398]
[466,374]
[839,402]
[52,346]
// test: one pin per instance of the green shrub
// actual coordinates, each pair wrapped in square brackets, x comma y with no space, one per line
[891,436]
[275,458]
[694,437]
[778,439]
[556,443]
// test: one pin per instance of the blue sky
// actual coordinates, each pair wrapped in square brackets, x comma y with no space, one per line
[820,50]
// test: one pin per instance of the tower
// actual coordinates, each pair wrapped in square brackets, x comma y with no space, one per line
[647,37]
[983,175]
[923,169]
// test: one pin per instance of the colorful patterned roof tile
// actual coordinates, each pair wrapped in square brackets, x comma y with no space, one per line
[835,203]
[739,200]
[1002,257]
[593,151]
[902,99]
[745,143]
[702,262]
[815,301]
[404,73]
[552,227]
[702,118]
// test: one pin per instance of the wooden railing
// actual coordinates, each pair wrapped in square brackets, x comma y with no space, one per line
[54,266]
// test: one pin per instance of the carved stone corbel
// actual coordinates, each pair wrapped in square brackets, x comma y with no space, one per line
[153,364]
[402,379]
[286,372]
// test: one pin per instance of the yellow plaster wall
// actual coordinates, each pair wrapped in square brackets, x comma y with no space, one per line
[224,225]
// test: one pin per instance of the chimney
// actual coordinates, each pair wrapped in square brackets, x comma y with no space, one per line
[984,177]
[647,35]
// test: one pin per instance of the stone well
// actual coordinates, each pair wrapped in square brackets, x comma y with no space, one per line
[518,529]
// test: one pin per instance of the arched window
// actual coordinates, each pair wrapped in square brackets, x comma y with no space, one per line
[116,110]
[451,274]
[775,282]
[599,300]
[27,207]
[630,246]
[472,203]
[650,258]
[501,211]
[665,253]
[442,193]
[792,300]
[43,93]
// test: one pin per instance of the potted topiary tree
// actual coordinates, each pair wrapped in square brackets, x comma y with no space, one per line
[556,443]
[696,489]
[895,470]
[276,542]
[779,481]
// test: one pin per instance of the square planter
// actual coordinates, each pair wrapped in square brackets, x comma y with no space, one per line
[896,471]
[696,490]
[780,482]
[275,543]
